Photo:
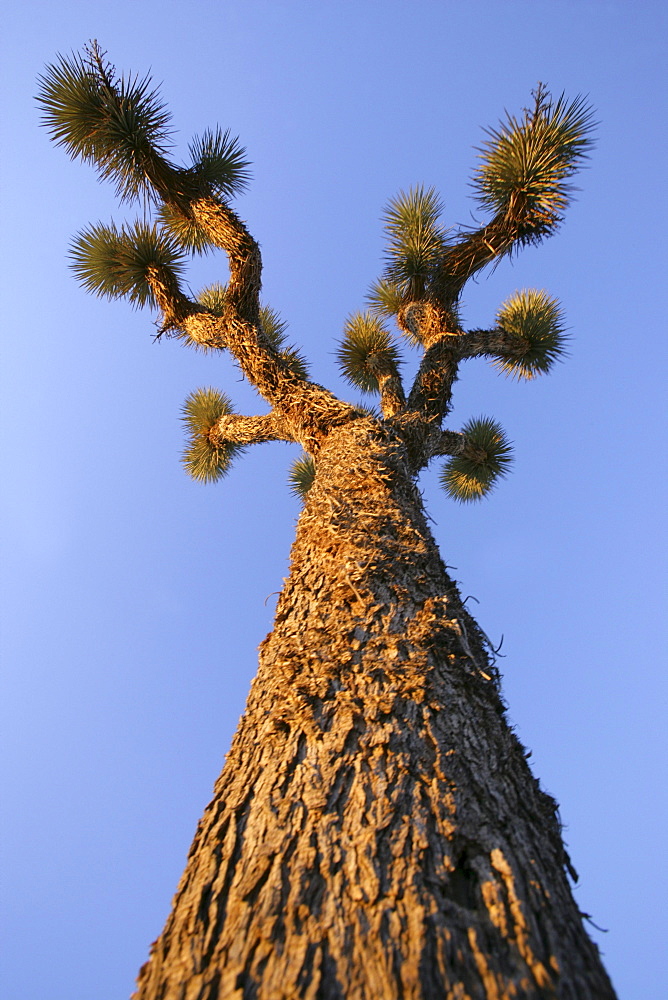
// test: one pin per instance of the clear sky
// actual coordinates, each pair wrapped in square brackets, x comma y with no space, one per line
[134,599]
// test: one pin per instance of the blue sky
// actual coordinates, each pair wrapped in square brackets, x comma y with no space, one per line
[134,599]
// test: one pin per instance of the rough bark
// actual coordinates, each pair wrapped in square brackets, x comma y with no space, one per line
[376,832]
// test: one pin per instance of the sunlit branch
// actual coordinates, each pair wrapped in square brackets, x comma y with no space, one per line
[233,428]
[424,321]
[392,395]
[307,409]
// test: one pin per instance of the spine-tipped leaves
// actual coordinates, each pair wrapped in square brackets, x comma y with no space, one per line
[385,297]
[535,322]
[213,298]
[273,327]
[295,361]
[274,330]
[302,476]
[116,263]
[413,211]
[367,352]
[219,160]
[485,458]
[207,458]
[416,241]
[120,124]
[526,162]
[192,237]
[219,168]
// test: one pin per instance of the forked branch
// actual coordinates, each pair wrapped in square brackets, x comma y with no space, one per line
[121,125]
[307,408]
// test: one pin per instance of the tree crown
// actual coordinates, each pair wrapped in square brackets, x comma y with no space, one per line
[121,125]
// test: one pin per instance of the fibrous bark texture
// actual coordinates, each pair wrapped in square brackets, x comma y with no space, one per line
[376,832]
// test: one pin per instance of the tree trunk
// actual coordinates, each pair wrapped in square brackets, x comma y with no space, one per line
[376,832]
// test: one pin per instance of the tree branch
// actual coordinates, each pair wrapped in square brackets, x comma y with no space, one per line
[494,343]
[226,231]
[392,395]
[425,320]
[432,389]
[307,409]
[390,385]
[448,443]
[451,444]
[515,227]
[233,428]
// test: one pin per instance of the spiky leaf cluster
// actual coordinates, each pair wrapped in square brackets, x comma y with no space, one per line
[183,230]
[116,262]
[205,461]
[487,458]
[120,124]
[385,297]
[302,476]
[415,246]
[366,351]
[526,162]
[219,168]
[536,321]
[213,298]
[274,330]
[219,161]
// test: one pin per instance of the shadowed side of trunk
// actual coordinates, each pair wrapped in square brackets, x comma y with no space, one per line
[376,832]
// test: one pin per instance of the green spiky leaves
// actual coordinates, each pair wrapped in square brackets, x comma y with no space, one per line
[486,458]
[213,298]
[302,476]
[415,246]
[184,231]
[367,352]
[219,168]
[219,160]
[203,459]
[116,262]
[526,162]
[385,297]
[535,320]
[274,330]
[120,124]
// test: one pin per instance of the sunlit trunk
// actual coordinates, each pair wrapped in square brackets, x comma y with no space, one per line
[376,832]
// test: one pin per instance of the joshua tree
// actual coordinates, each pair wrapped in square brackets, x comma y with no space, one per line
[376,832]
